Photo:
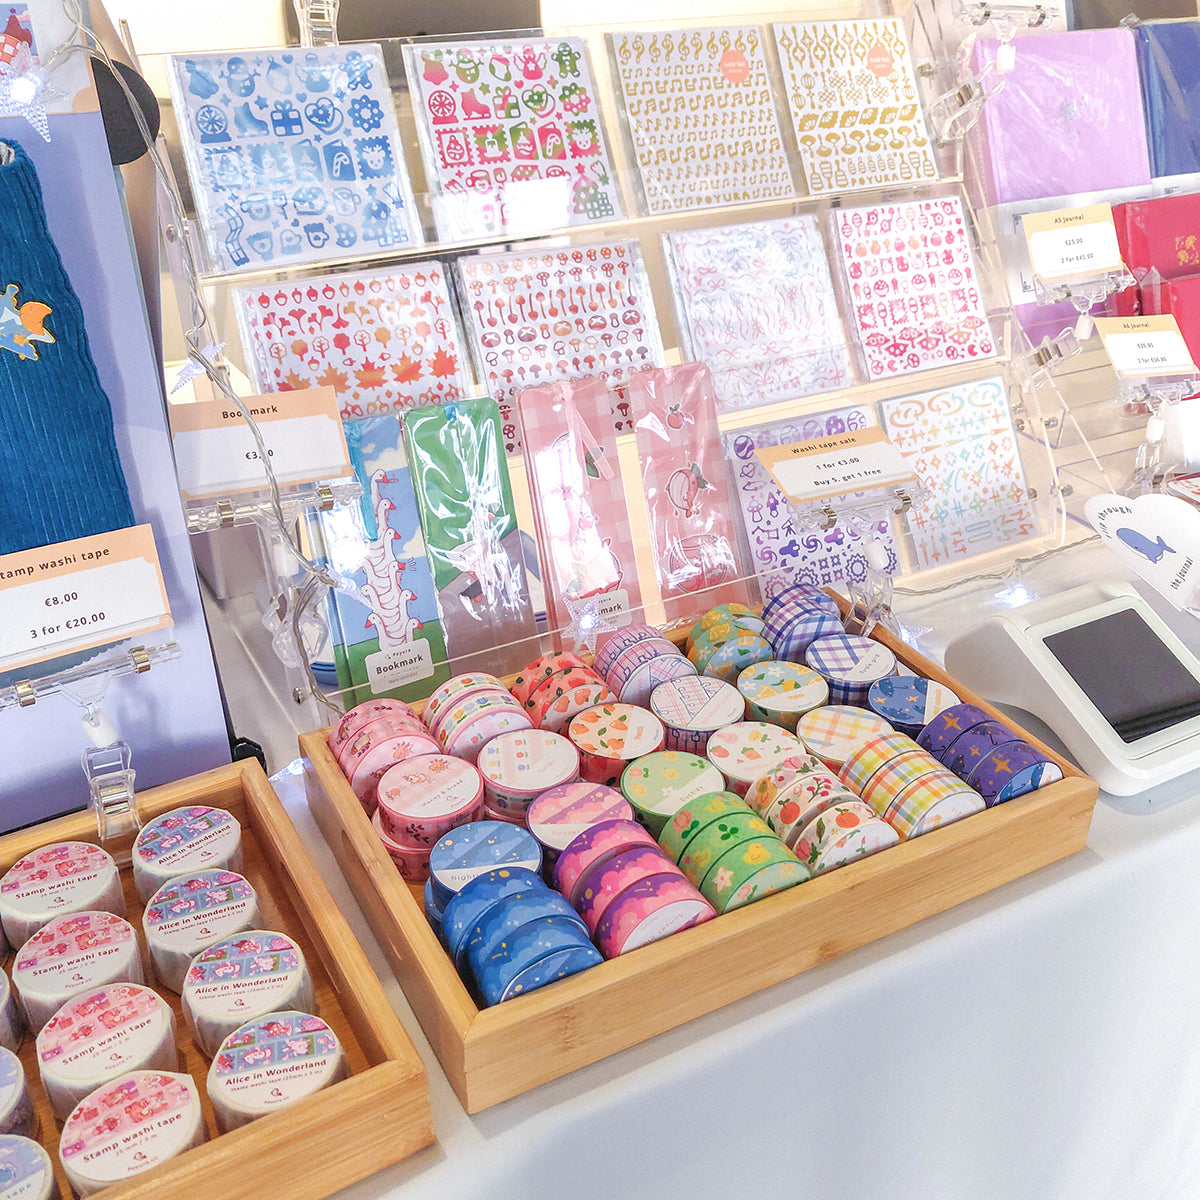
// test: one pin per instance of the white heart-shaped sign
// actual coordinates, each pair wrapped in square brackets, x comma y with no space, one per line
[1157,536]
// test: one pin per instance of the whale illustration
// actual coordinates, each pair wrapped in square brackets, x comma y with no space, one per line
[1141,544]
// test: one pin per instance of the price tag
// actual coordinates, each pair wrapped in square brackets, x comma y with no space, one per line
[1072,243]
[1143,347]
[838,465]
[78,595]
[216,454]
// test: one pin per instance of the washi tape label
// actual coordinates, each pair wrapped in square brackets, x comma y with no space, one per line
[1143,347]
[78,595]
[1072,242]
[836,465]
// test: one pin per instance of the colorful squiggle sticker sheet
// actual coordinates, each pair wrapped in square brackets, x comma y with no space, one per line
[512,136]
[542,316]
[294,154]
[963,447]
[384,340]
[757,303]
[782,552]
[854,103]
[914,289]
[701,117]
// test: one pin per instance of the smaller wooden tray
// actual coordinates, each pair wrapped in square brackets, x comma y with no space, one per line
[377,1116]
[495,1053]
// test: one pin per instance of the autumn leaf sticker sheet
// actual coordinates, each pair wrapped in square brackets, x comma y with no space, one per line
[384,340]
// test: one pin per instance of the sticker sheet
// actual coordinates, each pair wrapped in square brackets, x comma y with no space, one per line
[756,303]
[546,315]
[913,285]
[782,552]
[854,103]
[294,154]
[388,640]
[383,340]
[701,117]
[585,541]
[512,136]
[963,447]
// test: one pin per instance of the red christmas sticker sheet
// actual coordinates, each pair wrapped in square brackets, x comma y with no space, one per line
[512,136]
[914,289]
[384,340]
[546,315]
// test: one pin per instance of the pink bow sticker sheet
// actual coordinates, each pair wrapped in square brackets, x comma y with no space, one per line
[963,447]
[693,536]
[585,542]
[783,553]
[854,103]
[914,289]
[384,340]
[701,117]
[512,136]
[543,316]
[756,302]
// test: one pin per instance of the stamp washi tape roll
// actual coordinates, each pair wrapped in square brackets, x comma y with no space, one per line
[271,1062]
[411,861]
[693,708]
[610,736]
[192,912]
[908,702]
[520,765]
[474,849]
[129,1125]
[560,814]
[100,1035]
[658,785]
[422,798]
[938,736]
[603,882]
[11,1024]
[63,877]
[748,750]
[597,844]
[834,732]
[195,838]
[26,1170]
[850,664]
[751,871]
[781,692]
[74,953]
[240,978]
[16,1107]
[648,910]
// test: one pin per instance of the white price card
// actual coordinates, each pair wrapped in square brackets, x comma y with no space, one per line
[216,454]
[1072,243]
[836,465]
[1145,347]
[78,595]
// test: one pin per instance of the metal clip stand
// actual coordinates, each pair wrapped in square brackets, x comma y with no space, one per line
[318,21]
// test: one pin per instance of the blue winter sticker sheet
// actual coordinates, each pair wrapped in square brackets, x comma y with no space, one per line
[294,154]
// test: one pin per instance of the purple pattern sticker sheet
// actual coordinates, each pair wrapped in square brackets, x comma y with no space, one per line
[701,117]
[512,136]
[294,154]
[913,285]
[547,315]
[756,303]
[963,447]
[782,552]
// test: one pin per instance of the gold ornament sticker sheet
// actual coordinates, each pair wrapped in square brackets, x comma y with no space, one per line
[701,117]
[854,104]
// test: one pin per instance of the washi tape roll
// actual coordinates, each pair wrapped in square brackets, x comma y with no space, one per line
[192,912]
[465,908]
[834,732]
[370,734]
[411,861]
[658,785]
[100,1035]
[693,708]
[565,707]
[768,787]
[26,1171]
[794,636]
[362,715]
[714,839]
[520,765]
[63,877]
[422,798]
[433,914]
[857,771]
[1011,771]
[969,749]
[610,736]
[696,815]
[553,967]
[240,978]
[129,1125]
[748,750]
[604,882]
[560,814]
[949,724]
[547,690]
[457,684]
[16,1108]
[909,702]
[536,954]
[611,645]
[704,644]
[373,752]
[597,844]
[538,671]
[752,871]
[835,822]
[651,909]
[730,658]
[11,1025]
[796,808]
[894,777]
[781,692]
[195,838]
[733,614]
[850,664]
[800,593]
[864,840]
[466,708]
[272,1062]
[74,953]
[487,943]
[930,803]
[474,849]
[648,675]
[467,740]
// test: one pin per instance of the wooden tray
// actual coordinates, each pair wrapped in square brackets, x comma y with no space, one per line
[376,1117]
[495,1053]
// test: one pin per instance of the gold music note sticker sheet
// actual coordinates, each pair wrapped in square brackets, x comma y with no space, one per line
[854,103]
[701,117]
